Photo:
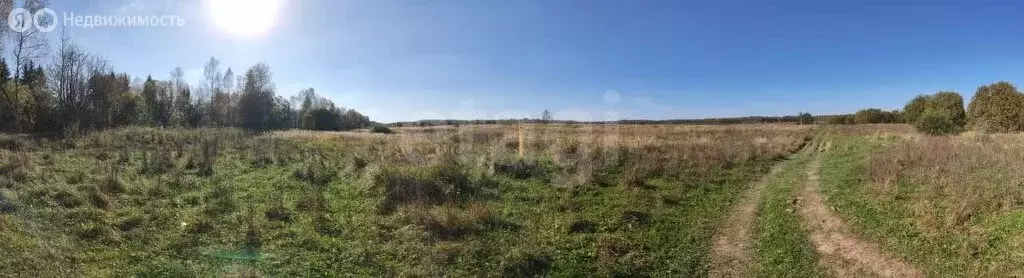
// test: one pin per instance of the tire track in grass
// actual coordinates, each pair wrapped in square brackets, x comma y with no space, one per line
[842,251]
[732,250]
[783,246]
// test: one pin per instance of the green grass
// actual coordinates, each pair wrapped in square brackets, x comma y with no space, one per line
[179,221]
[783,248]
[892,221]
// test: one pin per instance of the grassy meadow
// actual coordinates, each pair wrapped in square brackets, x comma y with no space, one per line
[950,204]
[583,200]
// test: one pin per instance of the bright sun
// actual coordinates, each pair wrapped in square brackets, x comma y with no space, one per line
[244,17]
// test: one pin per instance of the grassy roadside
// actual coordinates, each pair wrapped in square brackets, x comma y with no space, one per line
[783,248]
[894,220]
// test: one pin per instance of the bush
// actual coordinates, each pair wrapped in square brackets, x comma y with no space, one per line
[936,122]
[380,129]
[913,109]
[941,113]
[838,120]
[874,116]
[997,108]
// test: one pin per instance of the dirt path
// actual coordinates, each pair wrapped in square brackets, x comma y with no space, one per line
[841,250]
[732,252]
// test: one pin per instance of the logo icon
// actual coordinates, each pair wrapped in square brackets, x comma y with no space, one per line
[20,20]
[44,20]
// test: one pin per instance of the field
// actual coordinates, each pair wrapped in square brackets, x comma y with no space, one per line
[499,200]
[583,200]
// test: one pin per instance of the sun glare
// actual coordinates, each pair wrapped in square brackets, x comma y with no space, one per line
[244,17]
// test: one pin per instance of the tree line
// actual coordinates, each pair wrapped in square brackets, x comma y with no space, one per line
[79,92]
[997,107]
[802,118]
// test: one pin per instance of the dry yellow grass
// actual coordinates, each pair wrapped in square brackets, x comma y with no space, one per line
[967,176]
[650,149]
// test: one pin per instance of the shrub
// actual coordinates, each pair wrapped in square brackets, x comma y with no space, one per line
[951,103]
[936,122]
[380,129]
[837,120]
[913,110]
[998,107]
[941,113]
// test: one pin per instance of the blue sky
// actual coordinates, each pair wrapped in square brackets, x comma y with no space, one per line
[587,60]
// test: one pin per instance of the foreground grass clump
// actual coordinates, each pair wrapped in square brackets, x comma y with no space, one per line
[420,202]
[444,183]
